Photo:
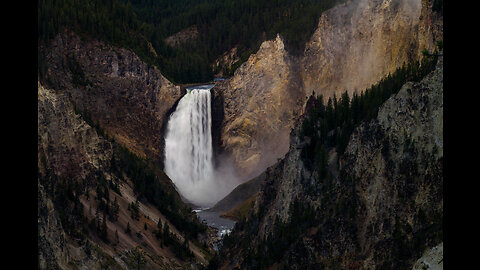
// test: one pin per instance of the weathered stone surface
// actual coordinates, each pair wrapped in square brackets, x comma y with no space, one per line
[398,160]
[258,108]
[383,207]
[128,98]
[66,143]
[355,45]
[52,244]
[68,148]
[358,43]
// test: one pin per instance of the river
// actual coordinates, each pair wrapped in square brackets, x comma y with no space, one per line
[213,219]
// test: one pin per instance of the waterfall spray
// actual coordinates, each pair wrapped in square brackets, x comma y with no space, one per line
[189,152]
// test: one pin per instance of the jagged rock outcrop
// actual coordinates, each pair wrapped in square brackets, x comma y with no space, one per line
[227,60]
[355,45]
[398,160]
[68,148]
[67,145]
[128,98]
[380,205]
[52,247]
[258,108]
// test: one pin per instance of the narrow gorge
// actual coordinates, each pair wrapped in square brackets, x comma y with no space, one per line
[323,149]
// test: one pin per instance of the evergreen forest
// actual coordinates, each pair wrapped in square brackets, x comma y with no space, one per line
[141,25]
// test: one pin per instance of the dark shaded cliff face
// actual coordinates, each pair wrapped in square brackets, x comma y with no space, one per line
[126,97]
[69,150]
[380,205]
[51,241]
[218,116]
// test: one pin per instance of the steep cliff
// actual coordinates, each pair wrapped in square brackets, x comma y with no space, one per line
[128,98]
[86,193]
[52,248]
[359,42]
[68,148]
[258,108]
[355,45]
[379,206]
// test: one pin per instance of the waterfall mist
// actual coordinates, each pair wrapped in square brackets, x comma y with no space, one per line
[189,151]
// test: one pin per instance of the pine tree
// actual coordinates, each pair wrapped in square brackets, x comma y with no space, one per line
[99,192]
[128,230]
[137,205]
[329,114]
[136,259]
[135,214]
[335,111]
[166,234]
[186,246]
[158,232]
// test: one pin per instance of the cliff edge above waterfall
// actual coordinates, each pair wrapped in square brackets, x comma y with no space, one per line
[128,98]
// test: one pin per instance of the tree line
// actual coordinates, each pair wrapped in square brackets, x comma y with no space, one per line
[140,25]
[325,127]
[330,125]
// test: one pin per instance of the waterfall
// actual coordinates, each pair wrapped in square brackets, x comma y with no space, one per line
[188,149]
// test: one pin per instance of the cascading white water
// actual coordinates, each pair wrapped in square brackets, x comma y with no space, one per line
[188,149]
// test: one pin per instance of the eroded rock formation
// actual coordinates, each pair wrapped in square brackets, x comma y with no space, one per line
[128,98]
[258,108]
[380,205]
[355,45]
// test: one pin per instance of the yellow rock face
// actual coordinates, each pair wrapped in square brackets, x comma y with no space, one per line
[258,108]
[355,45]
[358,43]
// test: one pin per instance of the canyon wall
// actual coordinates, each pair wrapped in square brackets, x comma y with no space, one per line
[76,164]
[380,206]
[358,43]
[128,98]
[355,45]
[259,104]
